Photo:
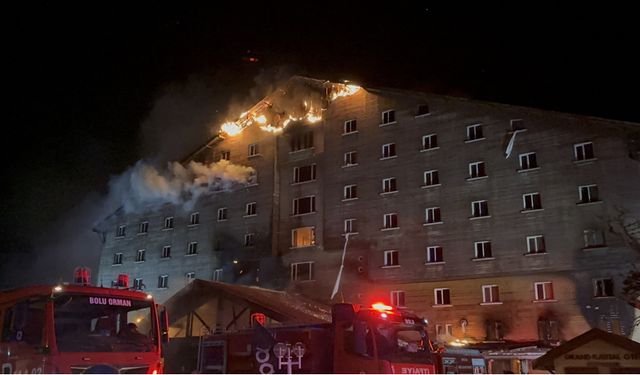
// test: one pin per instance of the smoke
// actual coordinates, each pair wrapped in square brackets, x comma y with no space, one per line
[143,186]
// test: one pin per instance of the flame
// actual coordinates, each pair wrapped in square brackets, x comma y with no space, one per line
[231,128]
[343,90]
[272,129]
[260,119]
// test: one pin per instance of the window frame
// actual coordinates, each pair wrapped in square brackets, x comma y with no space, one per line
[350,126]
[294,271]
[163,281]
[585,151]
[480,209]
[389,185]
[473,134]
[297,173]
[350,158]
[492,299]
[223,214]
[442,297]
[168,223]
[390,221]
[251,209]
[436,215]
[249,240]
[540,246]
[117,259]
[534,206]
[194,218]
[295,206]
[600,291]
[352,190]
[312,236]
[350,226]
[432,144]
[141,255]
[434,177]
[391,258]
[435,255]
[544,296]
[253,150]
[389,151]
[192,248]
[166,252]
[483,248]
[398,298]
[388,117]
[589,189]
[531,159]
[477,170]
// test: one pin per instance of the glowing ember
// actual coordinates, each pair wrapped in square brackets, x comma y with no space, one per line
[231,128]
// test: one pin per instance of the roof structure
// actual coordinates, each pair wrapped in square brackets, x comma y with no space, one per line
[282,306]
[546,361]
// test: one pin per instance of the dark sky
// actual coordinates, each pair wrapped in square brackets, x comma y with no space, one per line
[81,81]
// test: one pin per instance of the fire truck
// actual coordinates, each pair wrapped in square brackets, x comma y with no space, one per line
[378,339]
[78,328]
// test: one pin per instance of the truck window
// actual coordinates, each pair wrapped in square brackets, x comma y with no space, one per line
[24,322]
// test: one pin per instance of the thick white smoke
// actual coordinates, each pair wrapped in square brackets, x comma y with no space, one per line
[143,186]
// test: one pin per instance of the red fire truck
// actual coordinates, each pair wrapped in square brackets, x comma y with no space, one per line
[379,339]
[80,329]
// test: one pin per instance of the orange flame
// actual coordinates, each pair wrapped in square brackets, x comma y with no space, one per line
[231,128]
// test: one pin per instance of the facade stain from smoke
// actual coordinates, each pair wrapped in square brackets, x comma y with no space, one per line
[519,273]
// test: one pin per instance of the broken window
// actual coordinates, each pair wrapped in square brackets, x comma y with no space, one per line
[225,155]
[302,141]
[548,330]
[494,330]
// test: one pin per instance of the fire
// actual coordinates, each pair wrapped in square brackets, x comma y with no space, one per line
[343,90]
[272,129]
[260,119]
[231,128]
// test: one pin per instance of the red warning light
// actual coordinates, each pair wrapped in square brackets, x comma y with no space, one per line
[381,307]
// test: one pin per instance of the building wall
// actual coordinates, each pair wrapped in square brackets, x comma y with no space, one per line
[561,221]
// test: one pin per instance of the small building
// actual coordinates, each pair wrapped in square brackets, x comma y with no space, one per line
[593,352]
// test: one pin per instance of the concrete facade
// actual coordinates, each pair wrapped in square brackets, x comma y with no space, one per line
[544,244]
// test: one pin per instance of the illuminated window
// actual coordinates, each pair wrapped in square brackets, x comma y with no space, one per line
[303,237]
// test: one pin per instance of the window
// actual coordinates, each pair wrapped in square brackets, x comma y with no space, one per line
[535,244]
[528,161]
[434,254]
[166,252]
[423,109]
[593,238]
[302,141]
[479,209]
[117,258]
[482,249]
[442,296]
[189,277]
[494,330]
[474,132]
[388,117]
[388,150]
[429,142]
[163,281]
[390,221]
[350,192]
[433,215]
[603,287]
[253,150]
[531,201]
[138,284]
[302,271]
[120,231]
[192,248]
[194,218]
[249,239]
[350,158]
[548,330]
[490,294]
[350,226]
[389,185]
[350,126]
[431,178]
[442,331]
[302,237]
[477,169]
[217,274]
[391,258]
[588,193]
[222,214]
[143,227]
[544,291]
[250,209]
[140,255]
[583,151]
[168,222]
[252,179]
[304,173]
[397,298]
[225,155]
[305,205]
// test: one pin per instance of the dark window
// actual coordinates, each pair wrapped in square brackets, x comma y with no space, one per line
[302,141]
[423,109]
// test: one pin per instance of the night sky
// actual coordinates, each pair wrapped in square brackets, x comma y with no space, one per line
[87,86]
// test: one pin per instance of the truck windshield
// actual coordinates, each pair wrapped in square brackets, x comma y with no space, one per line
[402,343]
[86,323]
